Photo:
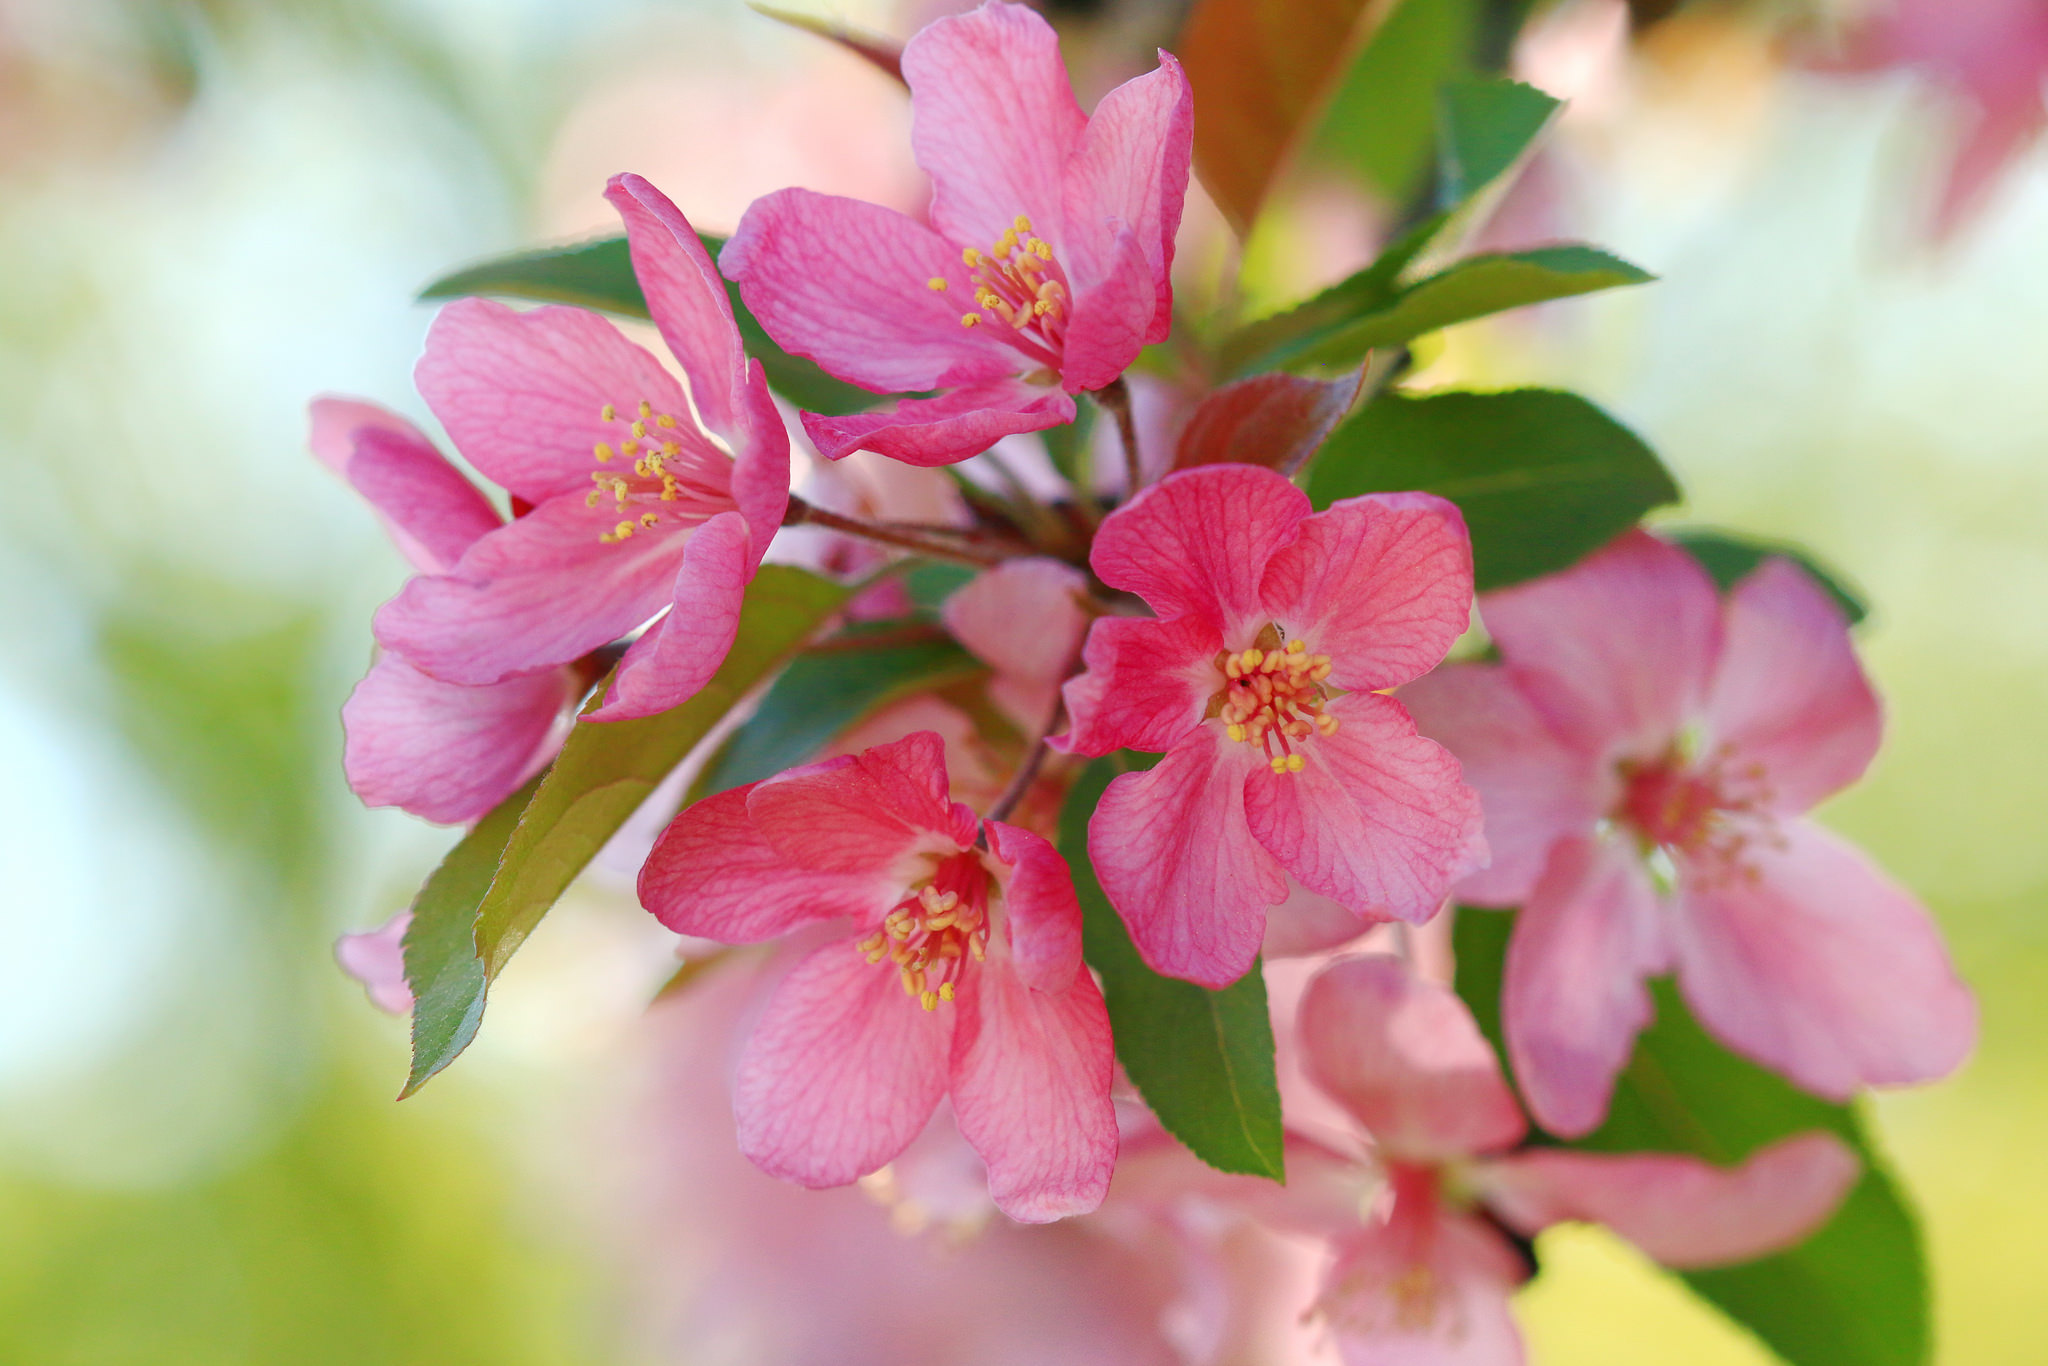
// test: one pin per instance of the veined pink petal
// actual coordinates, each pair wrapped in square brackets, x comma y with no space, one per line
[1309,923]
[1441,1299]
[431,512]
[1382,584]
[847,284]
[1022,617]
[333,422]
[1179,863]
[1617,650]
[955,425]
[1573,1000]
[1681,1211]
[679,654]
[864,812]
[1147,683]
[992,120]
[1111,319]
[1197,542]
[842,1071]
[1378,819]
[448,752]
[1788,694]
[538,591]
[1405,1058]
[686,299]
[522,394]
[711,874]
[376,958]
[760,465]
[1534,787]
[1039,904]
[1810,960]
[1131,168]
[1031,1074]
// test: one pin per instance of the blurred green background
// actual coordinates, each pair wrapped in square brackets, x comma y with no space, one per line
[211,211]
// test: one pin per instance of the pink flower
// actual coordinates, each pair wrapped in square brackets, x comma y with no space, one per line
[960,975]
[634,508]
[1261,678]
[376,958]
[1646,753]
[1044,270]
[447,752]
[1024,620]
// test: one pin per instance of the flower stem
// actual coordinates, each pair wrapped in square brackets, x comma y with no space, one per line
[1115,397]
[884,533]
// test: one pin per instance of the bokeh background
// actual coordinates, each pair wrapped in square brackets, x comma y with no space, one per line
[211,210]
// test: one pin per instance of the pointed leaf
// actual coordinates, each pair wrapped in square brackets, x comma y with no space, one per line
[1484,127]
[885,54]
[1729,557]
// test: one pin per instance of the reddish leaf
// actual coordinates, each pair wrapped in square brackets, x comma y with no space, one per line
[1273,420]
[882,52]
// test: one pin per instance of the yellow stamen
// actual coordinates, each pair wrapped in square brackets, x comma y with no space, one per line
[646,411]
[603,451]
[648,519]
[640,428]
[970,320]
[665,420]
[937,282]
[608,413]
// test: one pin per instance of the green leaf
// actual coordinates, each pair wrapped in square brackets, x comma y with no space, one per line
[1203,1060]
[931,582]
[1381,123]
[1854,1293]
[1072,445]
[1483,128]
[1543,477]
[1730,557]
[599,275]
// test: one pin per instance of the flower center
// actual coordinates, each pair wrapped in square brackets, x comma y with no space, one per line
[661,471]
[931,934]
[1701,809]
[1273,696]
[1019,287]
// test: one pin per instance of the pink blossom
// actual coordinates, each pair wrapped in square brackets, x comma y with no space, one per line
[959,975]
[1261,679]
[635,507]
[1024,619]
[1044,270]
[376,958]
[1646,753]
[447,752]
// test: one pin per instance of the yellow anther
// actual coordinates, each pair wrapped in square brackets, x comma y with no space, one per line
[603,451]
[1296,646]
[608,413]
[1234,731]
[1295,763]
[1005,245]
[1022,224]
[1040,309]
[591,501]
[936,282]
[640,429]
[929,1000]
[623,530]
[646,409]
[669,491]
[1280,763]
[1253,657]
[970,256]
[970,320]
[648,519]
[629,448]
[1327,725]
[1041,248]
[671,449]
[665,420]
[945,991]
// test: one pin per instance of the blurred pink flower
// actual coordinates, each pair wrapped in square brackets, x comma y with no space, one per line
[963,977]
[1645,753]
[633,508]
[1024,620]
[1261,680]
[1045,268]
[376,958]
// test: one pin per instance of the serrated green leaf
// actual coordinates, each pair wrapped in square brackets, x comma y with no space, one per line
[1483,128]
[1381,122]
[1543,477]
[1729,557]
[1852,1294]
[1203,1060]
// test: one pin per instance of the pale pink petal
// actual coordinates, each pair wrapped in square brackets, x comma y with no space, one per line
[1382,584]
[449,752]
[522,395]
[333,421]
[1131,170]
[1573,1000]
[1039,906]
[431,512]
[1322,1197]
[1405,1058]
[760,465]
[1147,684]
[847,284]
[1441,1299]
[992,120]
[1807,958]
[1031,1075]
[1111,319]
[679,654]
[1534,787]
[864,812]
[1309,923]
[842,1071]
[1378,818]
[686,299]
[1618,650]
[1788,694]
[952,427]
[376,958]
[1197,542]
[1023,617]
[1681,1211]
[1180,865]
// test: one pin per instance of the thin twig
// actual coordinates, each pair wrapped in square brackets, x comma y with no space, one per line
[1115,397]
[1027,768]
[904,538]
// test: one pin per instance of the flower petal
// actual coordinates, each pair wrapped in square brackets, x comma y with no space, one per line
[1197,542]
[1147,684]
[376,958]
[841,1073]
[1039,904]
[864,812]
[1382,584]
[1309,923]
[1111,319]
[1573,1000]
[1180,865]
[1378,819]
[1393,1299]
[686,299]
[1131,169]
[1022,618]
[1813,962]
[1681,1211]
[760,463]
[679,654]
[944,430]
[432,513]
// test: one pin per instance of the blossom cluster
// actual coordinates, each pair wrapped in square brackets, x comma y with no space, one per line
[1630,761]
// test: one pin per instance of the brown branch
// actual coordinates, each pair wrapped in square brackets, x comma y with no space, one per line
[1115,397]
[883,533]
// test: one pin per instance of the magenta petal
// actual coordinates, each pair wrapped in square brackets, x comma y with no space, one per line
[1131,169]
[992,120]
[865,812]
[1039,905]
[332,423]
[679,654]
[1147,684]
[432,513]
[760,465]
[1573,1000]
[1031,1075]
[1198,542]
[1382,584]
[1788,694]
[1681,1211]
[1435,1297]
[1022,618]
[1378,818]
[945,430]
[449,752]
[376,958]
[522,394]
[1111,319]
[1807,958]
[1307,924]
[842,1071]
[686,299]
[1180,865]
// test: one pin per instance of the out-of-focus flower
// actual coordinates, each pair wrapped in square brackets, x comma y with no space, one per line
[1645,754]
[631,507]
[961,977]
[376,958]
[1045,268]
[447,752]
[1024,620]
[1261,681]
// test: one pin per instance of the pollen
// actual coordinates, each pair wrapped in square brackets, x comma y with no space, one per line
[937,282]
[930,935]
[1272,696]
[1018,283]
[650,477]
